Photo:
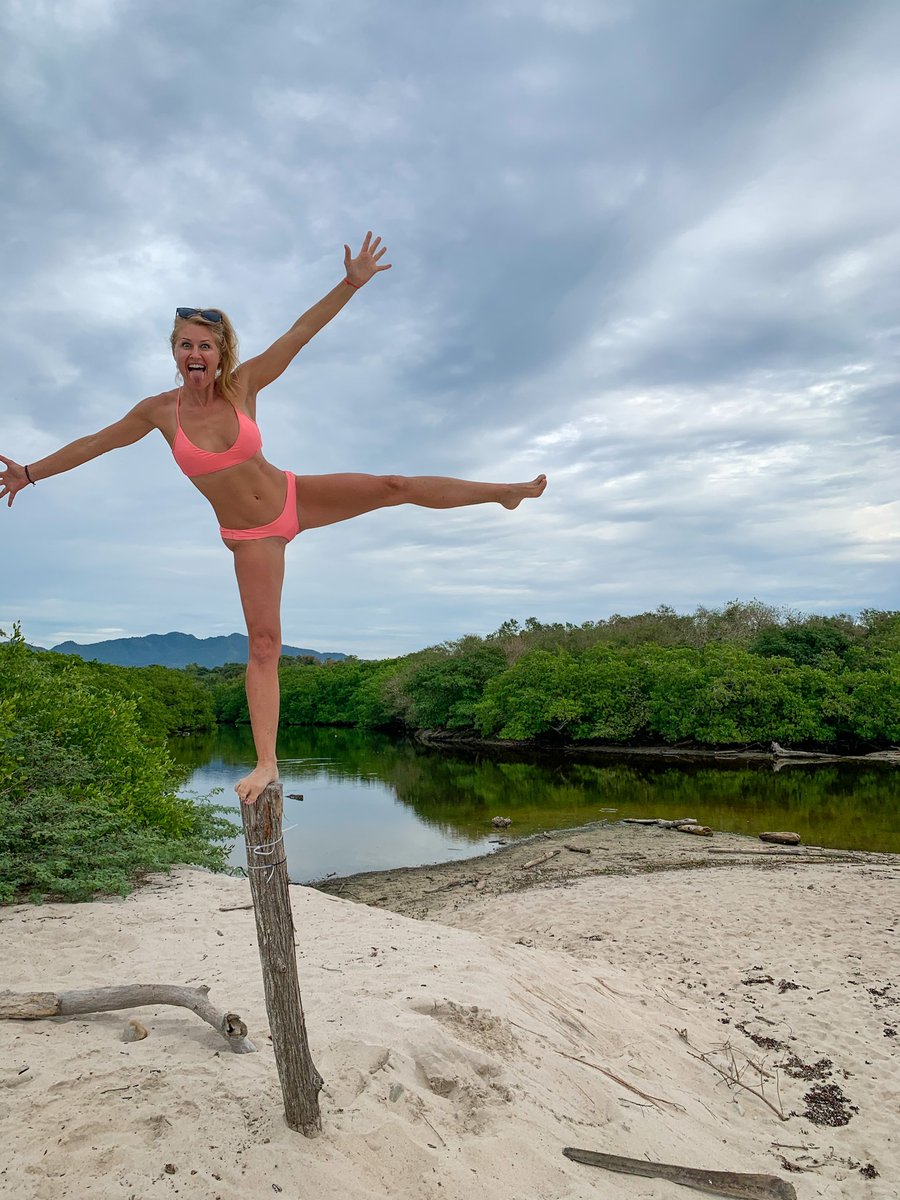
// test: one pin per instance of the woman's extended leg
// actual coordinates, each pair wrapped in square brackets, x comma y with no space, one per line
[325,499]
[259,566]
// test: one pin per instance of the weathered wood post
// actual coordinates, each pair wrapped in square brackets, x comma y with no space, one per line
[267,868]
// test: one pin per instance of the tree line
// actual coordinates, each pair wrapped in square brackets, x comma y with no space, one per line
[740,675]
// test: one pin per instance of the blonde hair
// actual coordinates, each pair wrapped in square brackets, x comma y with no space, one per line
[223,334]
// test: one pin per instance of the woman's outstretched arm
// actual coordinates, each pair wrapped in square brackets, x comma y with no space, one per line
[131,428]
[267,366]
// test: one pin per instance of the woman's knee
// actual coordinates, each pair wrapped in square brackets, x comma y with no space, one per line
[265,646]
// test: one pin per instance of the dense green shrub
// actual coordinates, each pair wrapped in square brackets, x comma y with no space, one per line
[167,701]
[816,643]
[598,695]
[878,646]
[873,702]
[87,802]
[746,673]
[445,691]
[725,695]
[345,692]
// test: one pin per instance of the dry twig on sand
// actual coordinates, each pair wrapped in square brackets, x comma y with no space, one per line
[733,1073]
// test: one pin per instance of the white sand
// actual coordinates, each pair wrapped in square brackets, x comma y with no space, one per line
[448,1049]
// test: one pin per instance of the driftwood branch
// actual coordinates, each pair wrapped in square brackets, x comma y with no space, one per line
[735,1184]
[663,824]
[31,1006]
[536,862]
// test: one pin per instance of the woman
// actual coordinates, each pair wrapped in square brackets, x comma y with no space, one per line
[210,425]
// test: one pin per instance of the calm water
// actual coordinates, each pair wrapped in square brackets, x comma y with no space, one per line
[371,802]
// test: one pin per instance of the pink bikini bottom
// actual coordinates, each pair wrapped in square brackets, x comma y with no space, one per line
[286,526]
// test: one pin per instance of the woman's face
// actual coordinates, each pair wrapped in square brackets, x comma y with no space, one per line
[196,355]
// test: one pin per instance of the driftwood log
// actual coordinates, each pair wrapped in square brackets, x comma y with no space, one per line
[735,1184]
[783,838]
[267,868]
[536,862]
[660,821]
[30,1006]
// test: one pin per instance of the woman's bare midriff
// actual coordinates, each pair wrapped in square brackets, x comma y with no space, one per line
[246,496]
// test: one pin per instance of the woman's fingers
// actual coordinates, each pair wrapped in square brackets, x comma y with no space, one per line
[368,260]
[12,480]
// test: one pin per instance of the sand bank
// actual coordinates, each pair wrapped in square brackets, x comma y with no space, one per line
[462,1054]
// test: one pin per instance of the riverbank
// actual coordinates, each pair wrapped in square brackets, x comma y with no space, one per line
[776,755]
[565,856]
[553,1005]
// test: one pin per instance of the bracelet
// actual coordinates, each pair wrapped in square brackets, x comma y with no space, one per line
[355,286]
[28,476]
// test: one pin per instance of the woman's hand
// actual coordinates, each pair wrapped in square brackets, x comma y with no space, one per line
[12,480]
[361,269]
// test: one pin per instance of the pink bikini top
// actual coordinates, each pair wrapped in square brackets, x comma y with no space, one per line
[194,460]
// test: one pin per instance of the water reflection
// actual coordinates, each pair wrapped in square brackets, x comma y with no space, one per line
[373,802]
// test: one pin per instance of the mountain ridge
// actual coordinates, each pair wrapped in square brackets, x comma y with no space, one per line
[177,649]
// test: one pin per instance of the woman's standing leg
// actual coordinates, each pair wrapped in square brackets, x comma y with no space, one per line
[325,499]
[259,566]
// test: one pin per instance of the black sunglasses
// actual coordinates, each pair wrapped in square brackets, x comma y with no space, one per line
[208,314]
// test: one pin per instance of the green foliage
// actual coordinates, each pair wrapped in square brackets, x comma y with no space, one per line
[373,703]
[339,692]
[444,692]
[86,800]
[597,696]
[879,645]
[873,702]
[811,644]
[745,673]
[166,700]
[723,695]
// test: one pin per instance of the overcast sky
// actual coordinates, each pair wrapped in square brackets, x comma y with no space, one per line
[649,247]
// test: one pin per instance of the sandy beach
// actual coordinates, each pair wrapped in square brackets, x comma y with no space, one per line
[722,1007]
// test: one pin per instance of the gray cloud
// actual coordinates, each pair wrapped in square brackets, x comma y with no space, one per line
[649,248]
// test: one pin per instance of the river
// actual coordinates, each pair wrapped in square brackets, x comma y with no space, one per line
[371,802]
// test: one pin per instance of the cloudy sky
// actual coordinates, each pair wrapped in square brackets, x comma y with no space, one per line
[649,247]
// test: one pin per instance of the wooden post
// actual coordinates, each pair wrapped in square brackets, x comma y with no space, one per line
[267,868]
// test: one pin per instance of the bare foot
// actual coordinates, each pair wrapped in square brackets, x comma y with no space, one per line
[251,785]
[517,492]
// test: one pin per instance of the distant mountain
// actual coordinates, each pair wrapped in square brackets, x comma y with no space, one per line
[178,650]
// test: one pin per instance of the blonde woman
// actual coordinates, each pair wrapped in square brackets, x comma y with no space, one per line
[210,425]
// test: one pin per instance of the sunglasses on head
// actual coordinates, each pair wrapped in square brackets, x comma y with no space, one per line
[208,314]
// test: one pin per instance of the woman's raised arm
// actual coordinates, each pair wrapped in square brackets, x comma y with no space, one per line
[266,367]
[131,428]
